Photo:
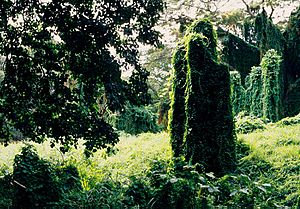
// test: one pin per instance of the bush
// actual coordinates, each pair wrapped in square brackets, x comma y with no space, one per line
[289,121]
[137,119]
[69,178]
[247,123]
[105,194]
[35,182]
[240,191]
[6,191]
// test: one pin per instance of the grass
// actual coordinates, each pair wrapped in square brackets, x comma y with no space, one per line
[273,158]
[131,156]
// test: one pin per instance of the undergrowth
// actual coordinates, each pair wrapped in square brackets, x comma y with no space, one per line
[140,173]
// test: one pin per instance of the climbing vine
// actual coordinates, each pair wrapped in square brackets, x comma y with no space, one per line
[272,86]
[201,102]
[237,92]
[253,96]
[268,35]
[177,111]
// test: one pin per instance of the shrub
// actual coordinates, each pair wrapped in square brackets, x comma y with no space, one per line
[35,182]
[137,119]
[240,191]
[6,191]
[105,194]
[289,121]
[69,178]
[177,186]
[246,124]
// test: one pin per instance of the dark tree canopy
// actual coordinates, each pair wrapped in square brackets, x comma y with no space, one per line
[63,60]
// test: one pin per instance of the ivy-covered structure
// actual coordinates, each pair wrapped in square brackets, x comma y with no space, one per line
[241,55]
[177,112]
[268,35]
[237,93]
[238,54]
[209,137]
[292,65]
[253,95]
[272,86]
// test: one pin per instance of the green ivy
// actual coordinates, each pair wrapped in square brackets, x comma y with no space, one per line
[34,179]
[204,27]
[177,112]
[268,35]
[253,96]
[272,86]
[137,119]
[239,54]
[237,93]
[209,134]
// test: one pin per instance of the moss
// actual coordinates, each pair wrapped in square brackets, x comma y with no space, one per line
[209,135]
[177,111]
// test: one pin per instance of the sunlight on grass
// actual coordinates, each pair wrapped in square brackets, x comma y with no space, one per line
[131,156]
[275,144]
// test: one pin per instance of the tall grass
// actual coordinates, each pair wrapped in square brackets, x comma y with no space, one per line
[273,159]
[131,156]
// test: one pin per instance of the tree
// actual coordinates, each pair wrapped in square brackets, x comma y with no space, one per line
[63,59]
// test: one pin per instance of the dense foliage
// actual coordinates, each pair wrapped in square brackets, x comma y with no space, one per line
[137,119]
[63,62]
[272,86]
[292,64]
[177,113]
[37,183]
[238,54]
[237,93]
[253,96]
[141,174]
[268,35]
[248,123]
[293,46]
[208,136]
